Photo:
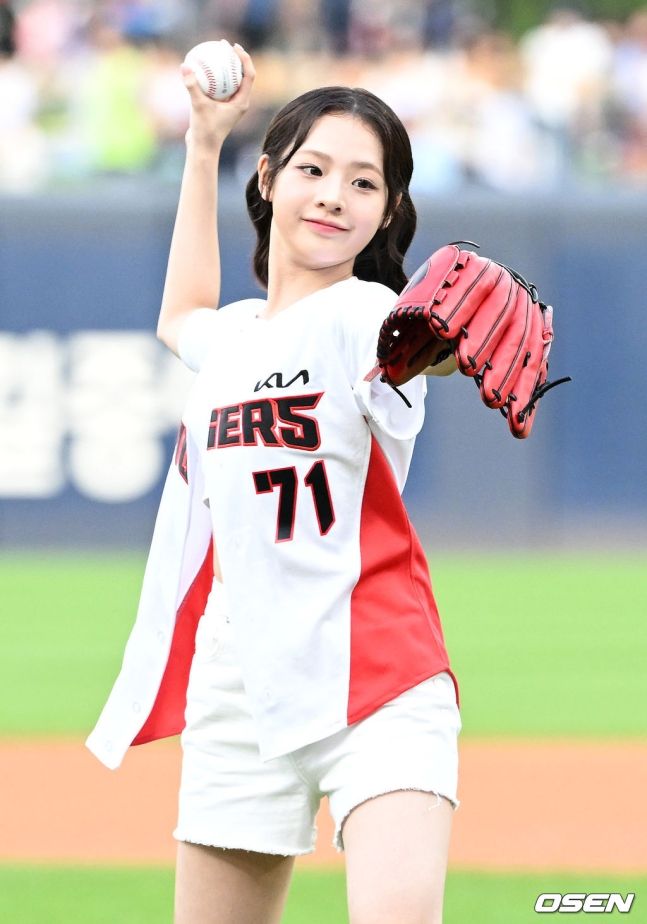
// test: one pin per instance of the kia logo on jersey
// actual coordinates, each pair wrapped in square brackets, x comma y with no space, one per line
[275,380]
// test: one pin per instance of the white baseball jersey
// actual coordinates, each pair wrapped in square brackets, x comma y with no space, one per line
[301,462]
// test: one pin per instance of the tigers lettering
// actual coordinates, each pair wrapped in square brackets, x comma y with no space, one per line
[273,421]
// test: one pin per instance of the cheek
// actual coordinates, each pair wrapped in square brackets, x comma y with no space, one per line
[370,221]
[283,210]
[288,202]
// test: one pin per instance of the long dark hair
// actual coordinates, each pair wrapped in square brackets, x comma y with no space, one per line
[381,260]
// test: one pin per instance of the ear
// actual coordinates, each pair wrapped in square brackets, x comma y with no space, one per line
[389,218]
[262,167]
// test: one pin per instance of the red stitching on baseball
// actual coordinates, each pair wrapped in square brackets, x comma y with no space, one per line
[211,80]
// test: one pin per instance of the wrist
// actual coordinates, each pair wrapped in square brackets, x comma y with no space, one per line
[204,150]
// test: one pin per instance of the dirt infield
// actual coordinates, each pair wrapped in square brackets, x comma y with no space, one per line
[525,806]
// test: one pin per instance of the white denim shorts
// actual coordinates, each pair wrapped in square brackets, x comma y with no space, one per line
[230,798]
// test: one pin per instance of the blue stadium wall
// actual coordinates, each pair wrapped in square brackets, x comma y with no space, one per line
[89,401]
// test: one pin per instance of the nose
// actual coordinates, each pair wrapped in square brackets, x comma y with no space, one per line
[330,194]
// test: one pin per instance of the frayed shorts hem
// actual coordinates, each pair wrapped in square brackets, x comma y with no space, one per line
[338,842]
[237,844]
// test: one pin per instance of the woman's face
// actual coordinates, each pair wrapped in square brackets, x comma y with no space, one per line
[329,199]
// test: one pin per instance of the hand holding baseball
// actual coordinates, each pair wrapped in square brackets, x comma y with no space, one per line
[207,76]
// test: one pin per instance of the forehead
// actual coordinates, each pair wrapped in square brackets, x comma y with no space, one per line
[345,138]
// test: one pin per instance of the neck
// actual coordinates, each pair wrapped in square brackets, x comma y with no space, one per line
[288,282]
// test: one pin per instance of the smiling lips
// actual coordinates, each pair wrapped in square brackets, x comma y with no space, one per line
[327,227]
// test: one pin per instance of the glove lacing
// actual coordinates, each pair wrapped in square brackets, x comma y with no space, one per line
[539,392]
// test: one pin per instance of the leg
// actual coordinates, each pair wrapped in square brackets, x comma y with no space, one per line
[215,886]
[396,858]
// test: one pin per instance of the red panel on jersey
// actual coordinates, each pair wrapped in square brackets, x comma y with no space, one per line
[167,715]
[396,636]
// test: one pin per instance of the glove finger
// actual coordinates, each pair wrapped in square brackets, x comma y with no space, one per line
[458,298]
[504,365]
[521,412]
[524,385]
[448,288]
[521,425]
[429,276]
[486,328]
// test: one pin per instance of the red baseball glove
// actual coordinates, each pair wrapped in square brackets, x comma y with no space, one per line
[488,316]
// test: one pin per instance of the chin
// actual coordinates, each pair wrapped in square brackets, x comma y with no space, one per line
[323,261]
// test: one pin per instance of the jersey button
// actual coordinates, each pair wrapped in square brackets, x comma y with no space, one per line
[137,707]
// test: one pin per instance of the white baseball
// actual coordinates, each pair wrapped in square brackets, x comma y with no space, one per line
[217,68]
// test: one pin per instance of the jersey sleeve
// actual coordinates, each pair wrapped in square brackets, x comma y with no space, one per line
[383,407]
[196,336]
[205,328]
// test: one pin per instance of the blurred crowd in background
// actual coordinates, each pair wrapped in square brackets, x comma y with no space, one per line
[91,88]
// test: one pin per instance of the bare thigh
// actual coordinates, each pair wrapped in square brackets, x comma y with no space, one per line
[396,858]
[216,886]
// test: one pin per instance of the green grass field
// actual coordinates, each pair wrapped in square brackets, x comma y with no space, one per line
[543,646]
[46,895]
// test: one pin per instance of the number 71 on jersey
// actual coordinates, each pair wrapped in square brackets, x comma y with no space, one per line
[287,482]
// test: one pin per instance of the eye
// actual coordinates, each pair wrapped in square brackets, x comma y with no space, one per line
[365,184]
[305,168]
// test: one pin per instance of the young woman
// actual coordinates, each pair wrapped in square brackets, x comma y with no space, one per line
[319,665]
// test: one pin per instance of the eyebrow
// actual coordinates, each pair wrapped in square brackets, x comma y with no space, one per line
[360,164]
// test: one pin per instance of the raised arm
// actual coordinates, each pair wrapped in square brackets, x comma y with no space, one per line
[193,271]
